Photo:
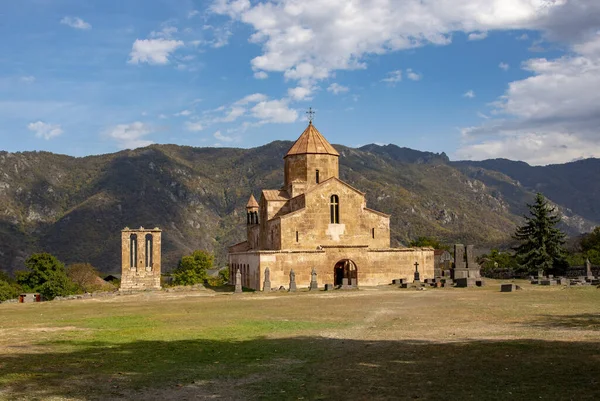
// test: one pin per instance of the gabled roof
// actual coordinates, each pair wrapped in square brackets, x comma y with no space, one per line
[275,195]
[252,202]
[311,141]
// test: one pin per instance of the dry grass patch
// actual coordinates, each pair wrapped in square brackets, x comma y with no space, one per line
[370,344]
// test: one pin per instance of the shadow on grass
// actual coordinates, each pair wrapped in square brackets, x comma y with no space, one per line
[585,321]
[305,367]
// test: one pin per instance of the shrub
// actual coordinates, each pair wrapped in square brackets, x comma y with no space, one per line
[8,291]
[45,274]
[87,278]
[192,268]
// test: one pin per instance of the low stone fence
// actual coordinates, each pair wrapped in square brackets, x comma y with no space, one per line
[578,271]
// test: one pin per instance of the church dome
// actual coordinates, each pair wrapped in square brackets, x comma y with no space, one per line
[252,203]
[311,142]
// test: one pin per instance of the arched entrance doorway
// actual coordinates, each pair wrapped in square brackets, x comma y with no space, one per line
[345,272]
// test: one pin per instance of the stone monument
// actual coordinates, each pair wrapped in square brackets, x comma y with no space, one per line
[417,278]
[267,282]
[292,281]
[466,272]
[313,280]
[588,270]
[238,282]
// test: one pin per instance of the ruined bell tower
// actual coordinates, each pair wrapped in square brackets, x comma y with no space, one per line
[140,258]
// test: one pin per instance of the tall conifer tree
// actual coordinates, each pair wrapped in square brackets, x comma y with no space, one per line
[541,242]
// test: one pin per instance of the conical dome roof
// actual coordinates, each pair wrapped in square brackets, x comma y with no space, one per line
[252,202]
[311,141]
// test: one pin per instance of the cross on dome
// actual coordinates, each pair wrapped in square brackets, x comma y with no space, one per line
[311,115]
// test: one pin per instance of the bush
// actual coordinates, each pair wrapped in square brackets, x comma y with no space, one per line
[498,262]
[192,268]
[87,278]
[58,285]
[45,275]
[224,274]
[8,291]
[220,279]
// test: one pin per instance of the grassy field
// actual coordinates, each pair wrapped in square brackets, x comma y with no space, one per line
[371,344]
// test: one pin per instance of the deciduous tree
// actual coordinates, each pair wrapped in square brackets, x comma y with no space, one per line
[192,268]
[45,274]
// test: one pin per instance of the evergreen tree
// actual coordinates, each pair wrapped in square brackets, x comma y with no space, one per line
[541,242]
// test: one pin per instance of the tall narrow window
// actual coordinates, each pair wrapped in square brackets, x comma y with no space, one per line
[334,209]
[372,232]
[149,250]
[132,251]
[317,176]
[296,236]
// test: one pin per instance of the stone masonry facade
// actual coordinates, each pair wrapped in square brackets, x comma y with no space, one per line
[318,221]
[140,258]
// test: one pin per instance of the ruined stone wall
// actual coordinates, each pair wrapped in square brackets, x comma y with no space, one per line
[375,266]
[139,276]
[313,223]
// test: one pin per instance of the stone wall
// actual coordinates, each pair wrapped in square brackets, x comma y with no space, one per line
[313,223]
[141,274]
[300,171]
[375,266]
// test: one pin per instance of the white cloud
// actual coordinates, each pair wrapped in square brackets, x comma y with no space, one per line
[45,130]
[261,75]
[477,35]
[166,33]
[336,88]
[75,22]
[234,114]
[253,98]
[162,116]
[183,113]
[194,126]
[552,116]
[504,66]
[534,148]
[469,94]
[274,111]
[300,93]
[480,114]
[223,138]
[393,77]
[153,51]
[130,136]
[523,37]
[413,76]
[309,40]
[193,13]
[29,79]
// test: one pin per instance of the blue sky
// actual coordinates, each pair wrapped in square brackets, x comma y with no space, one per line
[476,79]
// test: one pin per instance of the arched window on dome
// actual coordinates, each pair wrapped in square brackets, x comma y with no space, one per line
[334,209]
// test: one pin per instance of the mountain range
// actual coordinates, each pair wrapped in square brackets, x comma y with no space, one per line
[75,208]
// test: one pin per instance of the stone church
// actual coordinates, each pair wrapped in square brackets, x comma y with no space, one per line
[318,221]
